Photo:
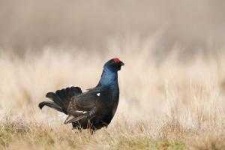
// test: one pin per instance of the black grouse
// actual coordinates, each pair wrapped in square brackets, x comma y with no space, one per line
[93,109]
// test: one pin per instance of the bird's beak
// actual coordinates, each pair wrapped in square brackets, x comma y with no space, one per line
[121,63]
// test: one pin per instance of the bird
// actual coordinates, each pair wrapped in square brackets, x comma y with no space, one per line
[94,108]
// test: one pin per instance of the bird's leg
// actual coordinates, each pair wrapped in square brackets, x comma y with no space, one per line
[92,131]
[90,127]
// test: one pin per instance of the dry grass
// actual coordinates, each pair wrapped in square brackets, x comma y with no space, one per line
[172,86]
[166,106]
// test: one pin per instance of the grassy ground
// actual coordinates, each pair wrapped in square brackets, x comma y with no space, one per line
[36,136]
[167,106]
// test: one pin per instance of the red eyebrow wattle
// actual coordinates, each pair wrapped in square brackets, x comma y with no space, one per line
[117,60]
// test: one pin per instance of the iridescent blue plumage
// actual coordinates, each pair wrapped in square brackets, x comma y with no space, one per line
[109,77]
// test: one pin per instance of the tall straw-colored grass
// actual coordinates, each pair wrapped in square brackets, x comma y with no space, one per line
[171,105]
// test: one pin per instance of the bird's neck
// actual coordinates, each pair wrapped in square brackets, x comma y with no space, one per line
[109,78]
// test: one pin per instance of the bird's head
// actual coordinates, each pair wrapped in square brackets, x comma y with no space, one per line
[114,64]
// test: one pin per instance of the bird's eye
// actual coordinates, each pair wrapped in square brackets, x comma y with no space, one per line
[98,94]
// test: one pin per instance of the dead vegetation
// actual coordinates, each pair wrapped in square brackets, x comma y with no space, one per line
[171,106]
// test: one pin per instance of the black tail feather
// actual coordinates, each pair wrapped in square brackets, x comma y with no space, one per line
[51,105]
[55,98]
[61,98]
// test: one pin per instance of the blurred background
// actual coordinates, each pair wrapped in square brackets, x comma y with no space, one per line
[173,53]
[196,26]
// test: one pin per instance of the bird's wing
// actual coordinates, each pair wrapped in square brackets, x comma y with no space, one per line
[88,100]
[86,115]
